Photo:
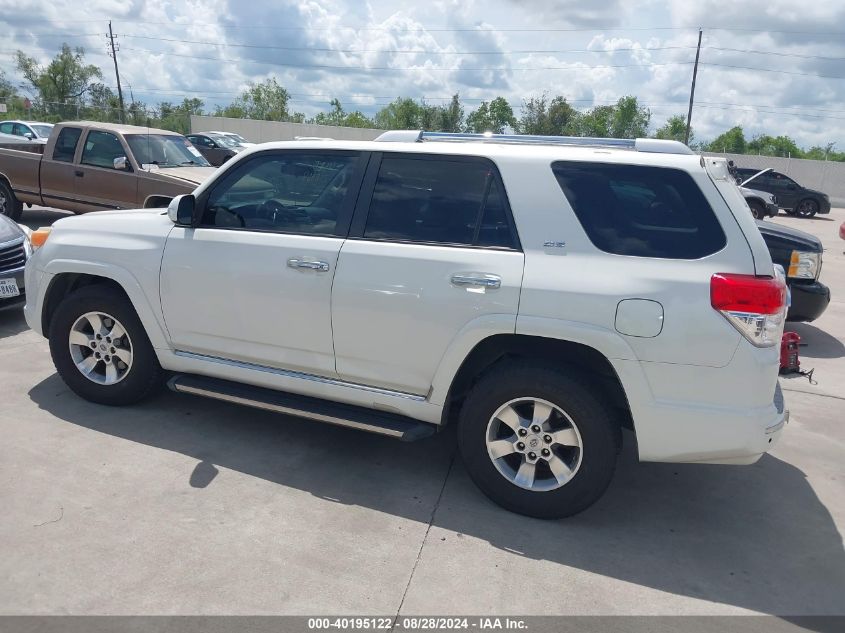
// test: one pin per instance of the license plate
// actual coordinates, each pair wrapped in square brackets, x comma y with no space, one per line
[8,288]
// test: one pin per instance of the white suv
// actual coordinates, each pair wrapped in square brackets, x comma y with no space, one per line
[544,293]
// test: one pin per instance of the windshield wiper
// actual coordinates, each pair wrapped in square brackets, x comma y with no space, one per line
[190,162]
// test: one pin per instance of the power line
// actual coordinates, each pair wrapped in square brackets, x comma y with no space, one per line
[400,69]
[416,52]
[772,70]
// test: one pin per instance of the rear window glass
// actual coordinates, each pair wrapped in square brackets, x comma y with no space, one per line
[641,211]
[65,146]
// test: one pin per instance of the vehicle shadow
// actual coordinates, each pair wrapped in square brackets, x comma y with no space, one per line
[816,343]
[754,537]
[42,216]
[12,322]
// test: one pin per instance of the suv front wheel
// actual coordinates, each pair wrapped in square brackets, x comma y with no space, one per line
[100,348]
[538,441]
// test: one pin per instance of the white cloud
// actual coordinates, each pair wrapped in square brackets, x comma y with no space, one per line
[353,50]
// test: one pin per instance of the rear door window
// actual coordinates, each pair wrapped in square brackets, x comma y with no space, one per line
[640,210]
[439,201]
[65,147]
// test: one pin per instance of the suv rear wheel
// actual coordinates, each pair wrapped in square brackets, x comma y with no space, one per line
[538,441]
[100,348]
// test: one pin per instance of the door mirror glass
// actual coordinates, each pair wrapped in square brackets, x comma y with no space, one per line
[181,210]
[29,135]
[122,163]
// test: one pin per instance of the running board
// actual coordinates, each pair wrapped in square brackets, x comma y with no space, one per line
[381,422]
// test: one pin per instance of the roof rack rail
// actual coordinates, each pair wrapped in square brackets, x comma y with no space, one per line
[652,145]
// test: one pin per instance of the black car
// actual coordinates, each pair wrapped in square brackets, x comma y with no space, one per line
[800,254]
[791,196]
[14,251]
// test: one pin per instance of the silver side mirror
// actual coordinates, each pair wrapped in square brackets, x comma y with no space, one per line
[122,163]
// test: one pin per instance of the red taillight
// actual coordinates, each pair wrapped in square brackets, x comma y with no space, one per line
[746,293]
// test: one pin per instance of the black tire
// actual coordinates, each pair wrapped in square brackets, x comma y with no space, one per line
[807,208]
[144,375]
[757,210]
[599,433]
[9,204]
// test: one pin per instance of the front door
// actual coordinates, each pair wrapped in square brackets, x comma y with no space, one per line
[432,251]
[98,184]
[252,283]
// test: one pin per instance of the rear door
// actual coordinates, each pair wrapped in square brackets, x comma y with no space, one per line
[432,249]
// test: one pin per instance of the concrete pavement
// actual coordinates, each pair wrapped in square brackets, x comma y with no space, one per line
[188,506]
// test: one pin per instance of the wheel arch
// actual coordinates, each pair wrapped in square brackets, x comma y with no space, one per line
[71,278]
[578,357]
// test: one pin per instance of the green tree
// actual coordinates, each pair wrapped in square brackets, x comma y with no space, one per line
[493,117]
[338,116]
[824,153]
[731,142]
[401,114]
[9,96]
[675,129]
[177,117]
[629,119]
[554,118]
[774,146]
[452,116]
[61,85]
[266,101]
[596,122]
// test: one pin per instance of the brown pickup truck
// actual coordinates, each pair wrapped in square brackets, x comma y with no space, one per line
[88,166]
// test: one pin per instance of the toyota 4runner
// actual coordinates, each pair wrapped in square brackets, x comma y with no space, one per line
[542,292]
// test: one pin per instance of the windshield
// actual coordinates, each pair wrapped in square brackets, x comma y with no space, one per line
[165,150]
[225,141]
[42,131]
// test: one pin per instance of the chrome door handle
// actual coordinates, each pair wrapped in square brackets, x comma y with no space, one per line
[478,280]
[306,264]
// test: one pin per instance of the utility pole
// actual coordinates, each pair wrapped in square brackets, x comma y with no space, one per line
[691,92]
[117,72]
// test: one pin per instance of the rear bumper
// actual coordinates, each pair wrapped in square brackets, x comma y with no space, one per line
[717,415]
[809,301]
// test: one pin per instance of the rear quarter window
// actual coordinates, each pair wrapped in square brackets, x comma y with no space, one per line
[640,210]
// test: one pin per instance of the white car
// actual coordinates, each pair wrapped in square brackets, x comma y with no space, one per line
[33,131]
[541,293]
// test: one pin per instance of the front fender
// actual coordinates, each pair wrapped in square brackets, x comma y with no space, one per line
[147,308]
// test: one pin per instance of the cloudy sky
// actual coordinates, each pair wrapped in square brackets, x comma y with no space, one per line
[772,66]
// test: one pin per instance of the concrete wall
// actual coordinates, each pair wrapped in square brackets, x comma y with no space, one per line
[826,176]
[265,131]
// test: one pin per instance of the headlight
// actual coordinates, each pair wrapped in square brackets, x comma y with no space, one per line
[803,265]
[773,198]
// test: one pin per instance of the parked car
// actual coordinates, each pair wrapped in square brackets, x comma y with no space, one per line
[762,203]
[235,137]
[216,148]
[88,166]
[15,249]
[35,131]
[800,254]
[791,196]
[540,294]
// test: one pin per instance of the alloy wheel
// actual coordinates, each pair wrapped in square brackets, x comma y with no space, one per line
[534,444]
[100,348]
